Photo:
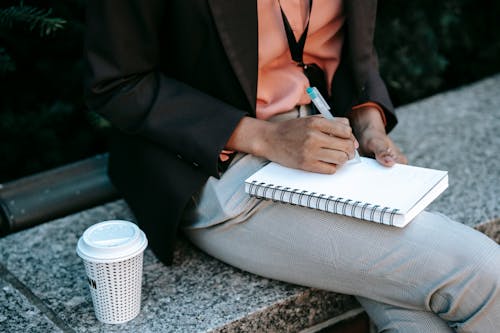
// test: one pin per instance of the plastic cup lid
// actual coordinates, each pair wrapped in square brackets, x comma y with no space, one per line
[111,241]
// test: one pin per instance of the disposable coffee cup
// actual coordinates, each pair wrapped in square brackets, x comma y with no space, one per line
[112,252]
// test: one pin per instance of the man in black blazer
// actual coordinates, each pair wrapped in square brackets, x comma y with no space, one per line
[177,80]
[176,77]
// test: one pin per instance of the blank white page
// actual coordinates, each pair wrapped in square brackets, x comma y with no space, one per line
[398,187]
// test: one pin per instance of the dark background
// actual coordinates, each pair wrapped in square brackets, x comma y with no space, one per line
[424,47]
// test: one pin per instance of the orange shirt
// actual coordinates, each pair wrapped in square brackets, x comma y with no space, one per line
[281,83]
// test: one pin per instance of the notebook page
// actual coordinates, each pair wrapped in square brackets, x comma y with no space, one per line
[400,186]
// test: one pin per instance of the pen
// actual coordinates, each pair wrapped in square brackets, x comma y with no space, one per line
[323,107]
[319,102]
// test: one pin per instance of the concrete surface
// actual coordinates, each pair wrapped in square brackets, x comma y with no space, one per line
[43,285]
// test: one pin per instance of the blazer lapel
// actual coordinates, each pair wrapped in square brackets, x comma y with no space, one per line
[236,23]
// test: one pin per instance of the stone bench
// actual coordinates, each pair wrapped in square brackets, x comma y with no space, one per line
[43,285]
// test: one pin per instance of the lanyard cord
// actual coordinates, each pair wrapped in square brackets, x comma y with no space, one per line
[296,47]
[313,72]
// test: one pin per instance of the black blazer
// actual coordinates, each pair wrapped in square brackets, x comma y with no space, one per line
[175,78]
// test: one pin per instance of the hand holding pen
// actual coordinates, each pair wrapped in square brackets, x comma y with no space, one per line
[323,107]
[313,144]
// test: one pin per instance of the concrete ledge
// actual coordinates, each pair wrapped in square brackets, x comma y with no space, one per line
[18,312]
[43,286]
[458,131]
[196,294]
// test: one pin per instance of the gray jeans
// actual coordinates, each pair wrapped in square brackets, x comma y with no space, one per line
[434,275]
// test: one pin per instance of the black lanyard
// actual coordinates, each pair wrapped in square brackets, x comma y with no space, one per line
[313,73]
[296,48]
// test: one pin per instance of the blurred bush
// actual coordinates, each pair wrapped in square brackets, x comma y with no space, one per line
[424,47]
[42,118]
[427,46]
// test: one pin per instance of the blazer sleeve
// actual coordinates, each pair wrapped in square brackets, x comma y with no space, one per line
[350,88]
[357,80]
[374,90]
[124,84]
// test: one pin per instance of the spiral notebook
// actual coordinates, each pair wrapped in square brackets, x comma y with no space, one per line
[367,190]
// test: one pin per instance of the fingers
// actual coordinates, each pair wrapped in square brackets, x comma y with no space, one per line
[389,155]
[338,127]
[376,143]
[322,167]
[319,146]
[401,159]
[333,149]
[385,156]
[339,141]
[312,144]
[332,156]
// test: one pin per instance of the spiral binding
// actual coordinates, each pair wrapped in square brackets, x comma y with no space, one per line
[320,201]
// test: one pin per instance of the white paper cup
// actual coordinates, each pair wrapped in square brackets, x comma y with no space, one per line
[112,252]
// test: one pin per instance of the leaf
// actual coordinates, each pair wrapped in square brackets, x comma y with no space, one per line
[32,17]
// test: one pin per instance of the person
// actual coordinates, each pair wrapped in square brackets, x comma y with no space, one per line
[202,93]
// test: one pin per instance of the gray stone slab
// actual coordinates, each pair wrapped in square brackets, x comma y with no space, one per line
[458,131]
[18,314]
[196,294]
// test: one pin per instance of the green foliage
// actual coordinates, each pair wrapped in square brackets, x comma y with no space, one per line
[424,46]
[410,51]
[43,121]
[428,46]
[25,16]
[32,17]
